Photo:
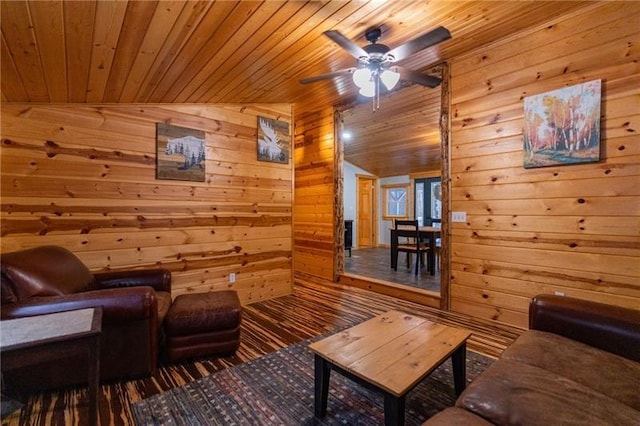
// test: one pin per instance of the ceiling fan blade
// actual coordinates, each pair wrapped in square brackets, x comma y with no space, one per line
[436,36]
[353,49]
[417,77]
[327,76]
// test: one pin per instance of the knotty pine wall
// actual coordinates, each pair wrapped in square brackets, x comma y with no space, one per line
[84,177]
[573,229]
[315,201]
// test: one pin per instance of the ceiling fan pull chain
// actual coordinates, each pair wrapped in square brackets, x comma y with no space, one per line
[377,91]
[373,100]
[376,98]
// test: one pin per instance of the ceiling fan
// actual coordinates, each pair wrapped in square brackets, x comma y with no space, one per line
[376,62]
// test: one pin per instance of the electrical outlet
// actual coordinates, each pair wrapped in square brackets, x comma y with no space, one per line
[232,277]
[458,216]
[558,293]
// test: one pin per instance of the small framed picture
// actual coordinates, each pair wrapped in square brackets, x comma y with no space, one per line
[562,126]
[273,140]
[180,153]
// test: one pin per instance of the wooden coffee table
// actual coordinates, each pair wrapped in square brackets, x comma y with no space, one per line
[390,353]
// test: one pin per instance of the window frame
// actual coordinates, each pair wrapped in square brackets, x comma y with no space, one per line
[386,189]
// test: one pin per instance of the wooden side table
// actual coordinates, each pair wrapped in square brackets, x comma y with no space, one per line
[30,340]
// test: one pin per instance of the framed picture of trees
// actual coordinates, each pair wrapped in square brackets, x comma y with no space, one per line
[563,126]
[180,153]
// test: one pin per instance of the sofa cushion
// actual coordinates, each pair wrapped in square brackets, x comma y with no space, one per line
[456,416]
[511,392]
[164,303]
[203,313]
[6,291]
[607,373]
[45,271]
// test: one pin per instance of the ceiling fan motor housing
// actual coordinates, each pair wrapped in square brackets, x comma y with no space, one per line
[377,53]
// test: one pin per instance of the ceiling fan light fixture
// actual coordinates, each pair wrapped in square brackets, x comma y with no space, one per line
[362,77]
[368,90]
[376,62]
[389,78]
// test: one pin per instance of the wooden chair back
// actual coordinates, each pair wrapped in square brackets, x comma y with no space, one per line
[411,233]
[411,236]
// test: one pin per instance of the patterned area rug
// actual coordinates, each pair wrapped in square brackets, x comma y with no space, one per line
[277,389]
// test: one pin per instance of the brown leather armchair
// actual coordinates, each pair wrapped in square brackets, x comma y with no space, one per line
[52,279]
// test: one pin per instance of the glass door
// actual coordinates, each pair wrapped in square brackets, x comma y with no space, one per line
[428,201]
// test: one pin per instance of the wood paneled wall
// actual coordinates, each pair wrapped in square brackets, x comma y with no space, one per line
[84,177]
[315,200]
[573,229]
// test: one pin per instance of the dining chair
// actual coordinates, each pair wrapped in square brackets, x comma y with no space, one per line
[411,243]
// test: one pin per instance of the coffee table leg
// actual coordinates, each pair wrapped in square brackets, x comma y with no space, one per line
[459,360]
[393,410]
[322,374]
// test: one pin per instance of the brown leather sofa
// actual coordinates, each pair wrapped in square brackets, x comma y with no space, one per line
[579,364]
[52,279]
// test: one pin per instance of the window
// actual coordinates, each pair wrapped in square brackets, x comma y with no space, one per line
[395,200]
[428,201]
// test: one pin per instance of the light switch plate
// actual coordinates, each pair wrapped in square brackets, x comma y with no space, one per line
[458,216]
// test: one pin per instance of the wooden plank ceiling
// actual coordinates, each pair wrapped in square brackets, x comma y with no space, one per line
[224,51]
[400,138]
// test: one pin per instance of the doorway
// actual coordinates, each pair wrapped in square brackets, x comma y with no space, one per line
[390,146]
[428,201]
[366,222]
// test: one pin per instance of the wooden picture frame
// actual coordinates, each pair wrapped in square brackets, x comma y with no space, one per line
[563,126]
[181,153]
[274,141]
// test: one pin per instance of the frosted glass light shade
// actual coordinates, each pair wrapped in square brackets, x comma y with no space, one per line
[362,77]
[389,78]
[368,90]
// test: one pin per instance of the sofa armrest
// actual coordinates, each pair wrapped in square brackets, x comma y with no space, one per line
[158,279]
[611,328]
[118,305]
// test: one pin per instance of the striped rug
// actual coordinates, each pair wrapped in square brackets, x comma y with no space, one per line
[277,389]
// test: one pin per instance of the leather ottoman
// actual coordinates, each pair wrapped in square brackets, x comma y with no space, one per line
[202,324]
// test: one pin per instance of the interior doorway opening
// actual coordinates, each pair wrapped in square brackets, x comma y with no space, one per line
[428,189]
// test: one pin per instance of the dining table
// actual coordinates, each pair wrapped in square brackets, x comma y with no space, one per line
[429,233]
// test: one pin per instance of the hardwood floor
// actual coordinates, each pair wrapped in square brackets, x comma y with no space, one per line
[312,309]
[375,263]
